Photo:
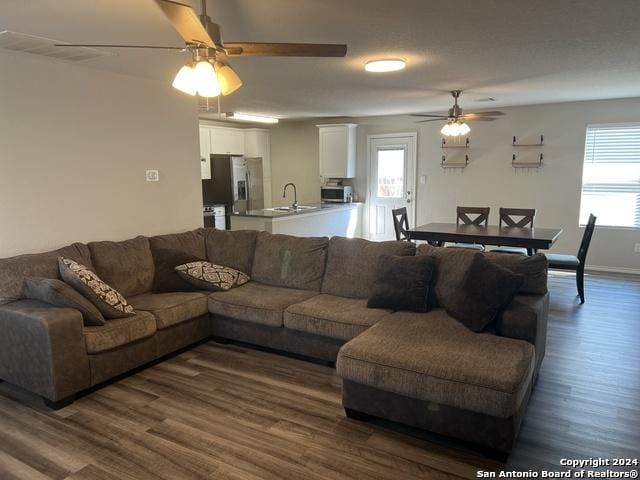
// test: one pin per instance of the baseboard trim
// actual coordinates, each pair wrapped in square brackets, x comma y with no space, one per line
[598,268]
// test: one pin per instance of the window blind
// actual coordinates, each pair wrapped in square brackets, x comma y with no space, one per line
[612,144]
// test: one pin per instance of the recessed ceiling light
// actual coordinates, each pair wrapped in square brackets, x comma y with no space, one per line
[386,65]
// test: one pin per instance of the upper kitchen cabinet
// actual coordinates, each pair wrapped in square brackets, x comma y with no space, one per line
[257,145]
[205,154]
[338,150]
[226,141]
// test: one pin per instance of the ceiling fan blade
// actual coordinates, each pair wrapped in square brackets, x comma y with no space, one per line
[285,49]
[432,120]
[479,119]
[186,22]
[425,115]
[87,45]
[483,114]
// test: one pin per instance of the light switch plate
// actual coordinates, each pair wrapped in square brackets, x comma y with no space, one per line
[423,179]
[636,249]
[153,176]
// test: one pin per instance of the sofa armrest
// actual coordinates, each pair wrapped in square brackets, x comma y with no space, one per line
[42,349]
[526,319]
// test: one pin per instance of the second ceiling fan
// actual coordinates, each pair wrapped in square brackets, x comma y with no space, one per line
[456,119]
[209,73]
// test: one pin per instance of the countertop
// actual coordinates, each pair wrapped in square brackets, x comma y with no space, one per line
[318,207]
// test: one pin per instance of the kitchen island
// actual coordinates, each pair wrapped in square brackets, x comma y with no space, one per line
[322,219]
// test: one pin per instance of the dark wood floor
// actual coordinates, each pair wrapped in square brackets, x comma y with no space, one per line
[231,412]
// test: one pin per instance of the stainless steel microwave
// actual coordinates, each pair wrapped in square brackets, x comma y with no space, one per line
[336,194]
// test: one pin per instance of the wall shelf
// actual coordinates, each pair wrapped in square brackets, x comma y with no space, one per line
[444,144]
[516,164]
[444,164]
[516,144]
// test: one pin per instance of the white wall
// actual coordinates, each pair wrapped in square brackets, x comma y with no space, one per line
[74,146]
[489,180]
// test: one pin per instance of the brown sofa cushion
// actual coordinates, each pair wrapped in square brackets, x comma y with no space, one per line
[288,261]
[127,266]
[351,264]
[433,357]
[57,293]
[334,317]
[402,283]
[256,302]
[471,288]
[14,270]
[165,278]
[119,332]
[233,249]
[171,308]
[190,243]
[534,270]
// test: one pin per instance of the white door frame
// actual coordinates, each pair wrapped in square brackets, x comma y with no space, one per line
[412,160]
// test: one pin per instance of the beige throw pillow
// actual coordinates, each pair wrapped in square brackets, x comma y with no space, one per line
[109,301]
[209,276]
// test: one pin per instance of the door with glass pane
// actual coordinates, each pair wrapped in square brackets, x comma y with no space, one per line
[392,172]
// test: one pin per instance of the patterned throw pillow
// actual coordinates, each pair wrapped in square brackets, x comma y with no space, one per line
[110,303]
[209,276]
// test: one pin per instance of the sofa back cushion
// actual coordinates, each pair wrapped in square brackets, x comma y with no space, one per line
[14,270]
[191,243]
[233,249]
[534,269]
[352,262]
[288,261]
[126,266]
[470,287]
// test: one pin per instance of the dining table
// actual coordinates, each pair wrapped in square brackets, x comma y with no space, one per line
[533,239]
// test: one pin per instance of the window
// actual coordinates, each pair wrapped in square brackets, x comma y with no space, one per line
[390,173]
[611,176]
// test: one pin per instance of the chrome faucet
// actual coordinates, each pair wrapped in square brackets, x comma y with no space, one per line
[295,194]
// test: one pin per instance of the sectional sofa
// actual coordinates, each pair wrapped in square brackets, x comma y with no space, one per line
[306,296]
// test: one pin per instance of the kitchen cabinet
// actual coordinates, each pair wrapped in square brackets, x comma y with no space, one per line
[205,154]
[226,141]
[257,145]
[337,150]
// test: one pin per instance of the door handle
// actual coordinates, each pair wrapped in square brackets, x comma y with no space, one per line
[408,200]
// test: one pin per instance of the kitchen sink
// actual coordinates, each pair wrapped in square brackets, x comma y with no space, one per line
[291,209]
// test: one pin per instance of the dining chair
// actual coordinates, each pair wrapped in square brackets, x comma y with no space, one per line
[575,263]
[517,218]
[400,223]
[478,216]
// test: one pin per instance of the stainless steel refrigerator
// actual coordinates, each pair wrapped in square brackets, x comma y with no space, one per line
[235,182]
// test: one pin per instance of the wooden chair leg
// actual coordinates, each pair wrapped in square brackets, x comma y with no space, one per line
[580,283]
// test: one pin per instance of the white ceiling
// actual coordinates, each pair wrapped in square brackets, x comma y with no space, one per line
[518,51]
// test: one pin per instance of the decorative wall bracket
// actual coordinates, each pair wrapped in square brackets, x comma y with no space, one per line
[466,144]
[444,164]
[516,144]
[537,164]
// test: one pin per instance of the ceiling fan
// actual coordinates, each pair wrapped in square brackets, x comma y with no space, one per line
[456,119]
[209,73]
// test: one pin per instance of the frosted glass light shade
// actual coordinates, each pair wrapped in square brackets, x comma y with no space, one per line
[206,79]
[455,129]
[185,80]
[229,80]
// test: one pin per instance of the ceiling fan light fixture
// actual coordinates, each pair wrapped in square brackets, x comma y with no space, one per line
[385,65]
[228,78]
[206,80]
[455,128]
[185,80]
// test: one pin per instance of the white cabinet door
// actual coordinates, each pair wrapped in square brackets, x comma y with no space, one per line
[205,154]
[338,150]
[227,141]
